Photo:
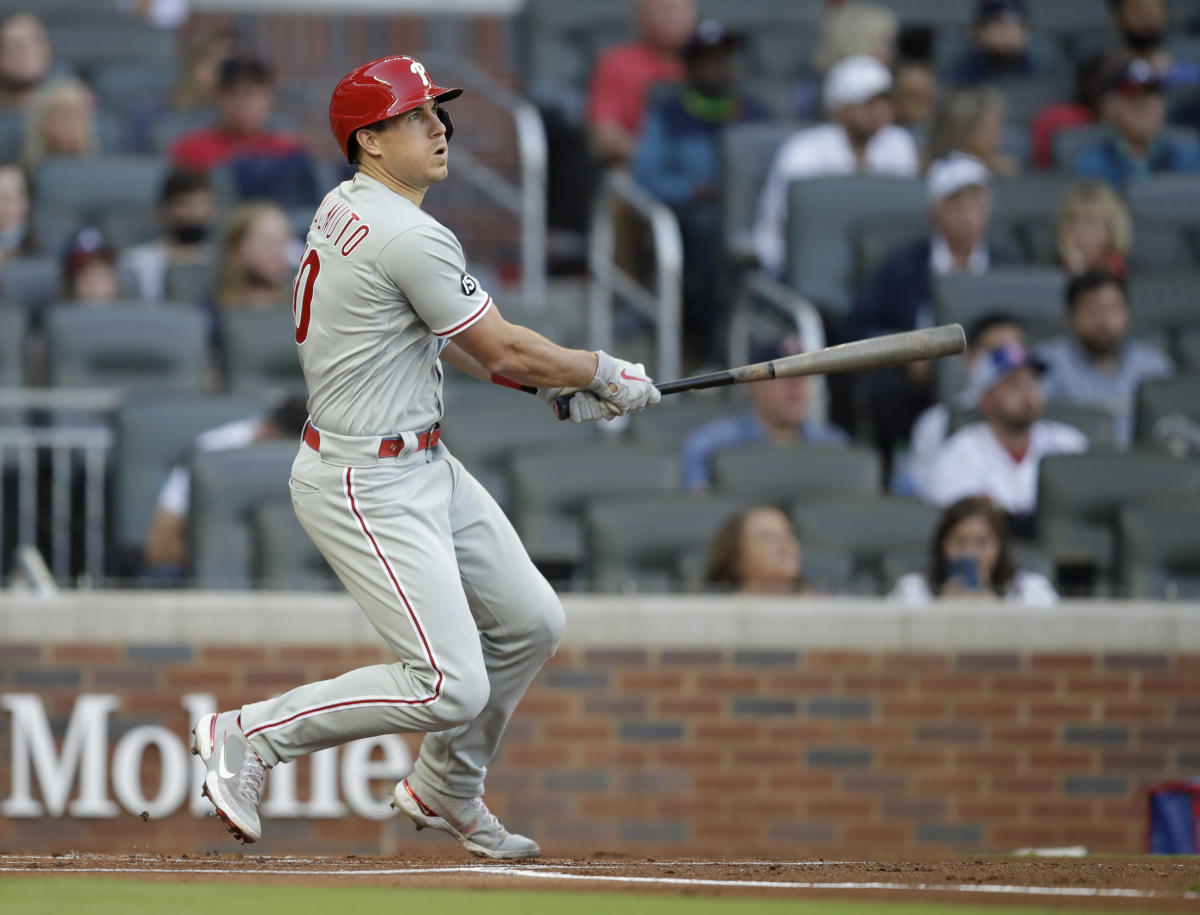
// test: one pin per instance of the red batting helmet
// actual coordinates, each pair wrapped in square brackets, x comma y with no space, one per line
[382,89]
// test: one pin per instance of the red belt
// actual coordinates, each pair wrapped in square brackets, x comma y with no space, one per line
[389,447]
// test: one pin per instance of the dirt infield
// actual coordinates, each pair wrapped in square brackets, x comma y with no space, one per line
[1159,884]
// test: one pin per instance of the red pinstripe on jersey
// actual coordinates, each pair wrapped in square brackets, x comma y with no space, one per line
[366,701]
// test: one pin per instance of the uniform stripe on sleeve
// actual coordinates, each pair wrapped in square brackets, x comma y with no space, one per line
[464,324]
[365,701]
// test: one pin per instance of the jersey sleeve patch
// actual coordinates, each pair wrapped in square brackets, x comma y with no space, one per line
[466,322]
[468,284]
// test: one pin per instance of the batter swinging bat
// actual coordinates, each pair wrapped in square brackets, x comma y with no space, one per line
[872,353]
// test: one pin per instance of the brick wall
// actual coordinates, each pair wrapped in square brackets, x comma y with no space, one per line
[736,751]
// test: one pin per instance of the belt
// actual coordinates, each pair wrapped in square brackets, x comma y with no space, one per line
[389,447]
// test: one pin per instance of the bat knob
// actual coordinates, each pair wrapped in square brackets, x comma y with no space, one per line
[562,407]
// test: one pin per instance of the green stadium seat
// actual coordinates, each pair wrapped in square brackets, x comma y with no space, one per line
[1164,301]
[671,422]
[31,283]
[1178,396]
[1035,295]
[782,474]
[746,151]
[1187,345]
[88,185]
[13,325]
[189,282]
[284,556]
[1160,549]
[227,488]
[260,351]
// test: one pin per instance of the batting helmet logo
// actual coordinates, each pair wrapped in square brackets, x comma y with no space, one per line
[379,90]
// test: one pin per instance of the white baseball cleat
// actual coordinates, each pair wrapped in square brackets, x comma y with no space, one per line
[234,780]
[467,819]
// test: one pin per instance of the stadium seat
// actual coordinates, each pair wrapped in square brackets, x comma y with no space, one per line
[1069,142]
[483,438]
[126,346]
[153,433]
[936,13]
[124,84]
[782,473]
[284,556]
[1035,295]
[169,126]
[189,282]
[1164,301]
[1079,496]
[636,544]
[227,487]
[551,489]
[12,347]
[1178,396]
[128,226]
[747,151]
[30,282]
[260,351]
[869,527]
[1026,207]
[12,135]
[1168,198]
[1188,346]
[88,185]
[84,45]
[1025,96]
[670,423]
[1160,549]
[823,214]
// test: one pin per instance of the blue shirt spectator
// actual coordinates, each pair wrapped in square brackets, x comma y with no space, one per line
[778,413]
[1136,113]
[1000,36]
[1096,365]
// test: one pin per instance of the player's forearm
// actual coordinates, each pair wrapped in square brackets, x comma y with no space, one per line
[456,356]
[529,358]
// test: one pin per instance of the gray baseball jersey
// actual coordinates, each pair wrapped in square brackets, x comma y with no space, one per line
[382,285]
[420,544]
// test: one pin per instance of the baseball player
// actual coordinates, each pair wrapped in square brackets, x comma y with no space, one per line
[381,299]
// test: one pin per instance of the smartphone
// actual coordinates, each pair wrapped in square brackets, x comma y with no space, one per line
[964,570]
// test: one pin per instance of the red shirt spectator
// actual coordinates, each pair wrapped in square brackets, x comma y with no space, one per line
[624,73]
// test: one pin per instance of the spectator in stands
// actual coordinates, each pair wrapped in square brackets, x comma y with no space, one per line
[17,237]
[1096,364]
[778,413]
[1000,44]
[25,58]
[624,74]
[1082,109]
[971,558]
[187,209]
[860,138]
[990,332]
[899,294]
[257,259]
[847,29]
[60,121]
[1094,230]
[972,121]
[1143,28]
[89,272]
[162,14]
[165,554]
[1135,111]
[999,457]
[915,90]
[195,90]
[678,160]
[756,552]
[265,163]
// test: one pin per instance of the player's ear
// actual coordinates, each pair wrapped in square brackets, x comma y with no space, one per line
[365,137]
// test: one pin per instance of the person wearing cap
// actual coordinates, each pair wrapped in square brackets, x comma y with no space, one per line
[678,161]
[89,274]
[1096,364]
[1135,113]
[623,75]
[778,413]
[860,138]
[1000,44]
[265,163]
[999,457]
[899,294]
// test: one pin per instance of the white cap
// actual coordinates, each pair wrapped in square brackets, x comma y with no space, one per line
[855,79]
[950,175]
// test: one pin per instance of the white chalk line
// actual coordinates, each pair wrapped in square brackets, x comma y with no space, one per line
[531,872]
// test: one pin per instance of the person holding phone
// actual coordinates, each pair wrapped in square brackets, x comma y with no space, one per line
[971,558]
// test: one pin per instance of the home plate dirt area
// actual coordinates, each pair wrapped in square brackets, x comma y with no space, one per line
[1159,884]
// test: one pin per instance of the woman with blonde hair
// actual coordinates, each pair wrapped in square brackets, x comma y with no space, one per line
[60,121]
[256,258]
[856,28]
[1094,230]
[971,121]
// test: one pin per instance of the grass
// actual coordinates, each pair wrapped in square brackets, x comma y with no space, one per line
[107,896]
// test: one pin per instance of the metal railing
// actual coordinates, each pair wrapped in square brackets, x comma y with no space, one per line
[760,289]
[662,302]
[526,198]
[52,480]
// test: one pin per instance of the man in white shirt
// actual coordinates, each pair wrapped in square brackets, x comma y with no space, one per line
[859,139]
[999,457]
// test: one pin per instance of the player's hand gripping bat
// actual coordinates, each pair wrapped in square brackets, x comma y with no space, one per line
[872,353]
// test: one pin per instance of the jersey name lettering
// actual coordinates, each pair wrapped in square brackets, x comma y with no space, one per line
[335,216]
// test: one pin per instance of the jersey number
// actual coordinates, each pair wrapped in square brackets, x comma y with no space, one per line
[310,266]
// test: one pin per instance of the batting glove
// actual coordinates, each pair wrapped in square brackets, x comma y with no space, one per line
[585,407]
[623,384]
